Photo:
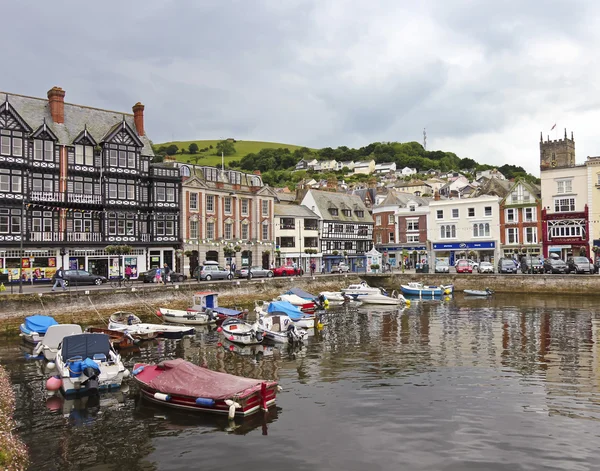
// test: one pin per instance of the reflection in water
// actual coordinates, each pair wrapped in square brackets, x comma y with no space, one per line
[498,383]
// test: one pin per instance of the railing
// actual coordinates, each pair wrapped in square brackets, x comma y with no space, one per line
[53,196]
[287,226]
[85,199]
[311,228]
[46,236]
[83,237]
[145,237]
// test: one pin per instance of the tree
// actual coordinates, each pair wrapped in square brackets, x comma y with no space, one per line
[193,148]
[225,148]
[172,149]
[467,164]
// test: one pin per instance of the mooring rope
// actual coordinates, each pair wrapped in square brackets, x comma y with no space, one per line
[97,312]
[43,306]
[149,307]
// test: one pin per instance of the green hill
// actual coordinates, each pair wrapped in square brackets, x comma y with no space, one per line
[209,157]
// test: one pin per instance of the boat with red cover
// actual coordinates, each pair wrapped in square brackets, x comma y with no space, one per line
[181,384]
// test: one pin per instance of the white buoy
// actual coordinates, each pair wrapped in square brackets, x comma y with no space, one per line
[51,365]
[126,373]
[232,407]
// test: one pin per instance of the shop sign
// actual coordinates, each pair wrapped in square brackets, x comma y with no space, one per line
[465,245]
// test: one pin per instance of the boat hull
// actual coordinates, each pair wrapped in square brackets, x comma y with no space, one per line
[162,331]
[382,300]
[190,317]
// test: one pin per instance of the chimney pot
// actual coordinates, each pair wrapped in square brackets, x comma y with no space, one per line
[56,100]
[138,118]
[256,172]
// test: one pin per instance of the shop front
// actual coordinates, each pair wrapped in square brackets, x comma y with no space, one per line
[478,251]
[30,266]
[411,255]
[98,262]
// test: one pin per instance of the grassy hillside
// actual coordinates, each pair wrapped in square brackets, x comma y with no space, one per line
[242,148]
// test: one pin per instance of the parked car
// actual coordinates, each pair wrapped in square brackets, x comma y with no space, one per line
[472,263]
[442,267]
[287,270]
[555,265]
[463,266]
[212,271]
[579,265]
[148,276]
[507,265]
[532,265]
[255,272]
[82,277]
[340,268]
[485,267]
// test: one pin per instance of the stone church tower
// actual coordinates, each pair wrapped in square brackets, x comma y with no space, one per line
[557,154]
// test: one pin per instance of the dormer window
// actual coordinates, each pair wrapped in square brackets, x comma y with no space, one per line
[360,213]
[84,155]
[347,212]
[333,211]
[43,150]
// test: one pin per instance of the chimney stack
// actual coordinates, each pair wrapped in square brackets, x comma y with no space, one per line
[56,100]
[436,195]
[138,118]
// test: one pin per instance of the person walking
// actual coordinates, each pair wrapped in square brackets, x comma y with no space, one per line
[313,267]
[157,276]
[233,268]
[59,279]
[128,272]
[166,274]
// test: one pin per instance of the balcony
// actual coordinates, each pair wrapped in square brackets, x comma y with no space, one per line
[84,237]
[311,227]
[49,196]
[46,236]
[145,237]
[84,198]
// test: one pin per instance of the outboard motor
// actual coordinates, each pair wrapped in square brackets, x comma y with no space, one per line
[259,335]
[209,312]
[92,382]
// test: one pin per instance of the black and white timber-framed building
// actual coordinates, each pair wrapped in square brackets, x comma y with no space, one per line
[74,179]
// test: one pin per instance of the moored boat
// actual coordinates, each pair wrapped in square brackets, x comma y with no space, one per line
[181,384]
[279,328]
[478,292]
[301,303]
[300,318]
[239,331]
[419,289]
[121,340]
[34,327]
[124,321]
[50,343]
[383,299]
[205,310]
[358,290]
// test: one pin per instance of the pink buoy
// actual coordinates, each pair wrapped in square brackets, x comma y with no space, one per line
[231,348]
[219,344]
[231,338]
[53,384]
[219,329]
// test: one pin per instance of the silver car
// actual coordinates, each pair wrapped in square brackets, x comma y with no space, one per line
[485,267]
[213,272]
[255,272]
[442,267]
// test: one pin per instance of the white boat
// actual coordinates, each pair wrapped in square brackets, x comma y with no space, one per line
[34,327]
[419,289]
[55,334]
[205,310]
[239,331]
[361,289]
[279,328]
[478,292]
[87,362]
[334,296]
[378,298]
[123,321]
[188,317]
[301,319]
[302,303]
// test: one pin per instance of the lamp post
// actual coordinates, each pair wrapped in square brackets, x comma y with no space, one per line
[21,244]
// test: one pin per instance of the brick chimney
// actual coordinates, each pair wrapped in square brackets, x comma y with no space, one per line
[138,118]
[256,172]
[56,99]
[436,195]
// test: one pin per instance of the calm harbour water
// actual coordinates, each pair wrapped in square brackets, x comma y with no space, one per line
[510,383]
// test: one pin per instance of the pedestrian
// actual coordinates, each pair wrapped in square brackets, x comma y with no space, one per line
[166,274]
[322,268]
[313,267]
[272,266]
[157,278]
[233,268]
[59,279]
[128,272]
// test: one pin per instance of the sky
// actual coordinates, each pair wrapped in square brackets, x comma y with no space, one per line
[483,78]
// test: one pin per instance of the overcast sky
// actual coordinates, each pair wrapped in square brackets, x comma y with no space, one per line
[485,78]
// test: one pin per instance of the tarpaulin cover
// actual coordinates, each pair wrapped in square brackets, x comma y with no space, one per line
[39,324]
[226,312]
[181,377]
[285,307]
[303,294]
[89,363]
[85,345]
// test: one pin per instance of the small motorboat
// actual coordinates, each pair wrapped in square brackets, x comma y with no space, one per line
[124,321]
[239,331]
[87,363]
[478,292]
[300,318]
[301,303]
[34,327]
[419,289]
[50,343]
[356,291]
[122,340]
[205,310]
[320,301]
[181,384]
[384,299]
[279,328]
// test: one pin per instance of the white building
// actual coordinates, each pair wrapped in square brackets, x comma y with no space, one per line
[365,167]
[385,167]
[465,228]
[407,171]
[296,234]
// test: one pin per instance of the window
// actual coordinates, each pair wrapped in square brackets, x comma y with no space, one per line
[244,231]
[227,230]
[439,214]
[170,194]
[193,201]
[378,238]
[511,215]
[333,211]
[338,228]
[193,229]
[112,158]
[210,230]
[11,143]
[378,220]
[391,238]
[481,230]
[347,213]
[564,186]
[487,211]
[390,219]
[123,190]
[455,213]
[227,205]
[448,231]
[531,235]
[265,208]
[562,205]
[598,179]
[84,155]
[210,204]
[512,235]
[563,230]
[10,221]
[471,212]
[244,207]
[5,146]
[412,238]
[359,213]
[412,225]
[530,214]
[43,150]
[412,207]
[265,230]
[10,181]
[349,228]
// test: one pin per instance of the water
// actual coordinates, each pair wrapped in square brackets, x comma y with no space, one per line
[510,383]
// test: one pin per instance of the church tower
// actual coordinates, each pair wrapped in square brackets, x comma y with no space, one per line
[559,153]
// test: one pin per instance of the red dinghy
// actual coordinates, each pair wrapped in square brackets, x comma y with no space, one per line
[181,384]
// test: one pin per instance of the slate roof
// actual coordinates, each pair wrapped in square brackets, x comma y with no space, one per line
[326,199]
[99,122]
[294,211]
[402,199]
[494,187]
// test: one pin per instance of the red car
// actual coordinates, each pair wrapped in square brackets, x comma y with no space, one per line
[287,271]
[463,266]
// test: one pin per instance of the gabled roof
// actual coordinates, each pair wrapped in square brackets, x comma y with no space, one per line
[293,211]
[397,198]
[77,117]
[532,188]
[324,199]
[494,187]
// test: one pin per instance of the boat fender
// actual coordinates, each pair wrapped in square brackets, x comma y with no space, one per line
[232,407]
[51,365]
[204,401]
[219,329]
[279,388]
[407,301]
[54,383]
[138,370]
[126,373]
[162,397]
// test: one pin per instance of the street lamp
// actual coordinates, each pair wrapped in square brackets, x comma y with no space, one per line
[21,244]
